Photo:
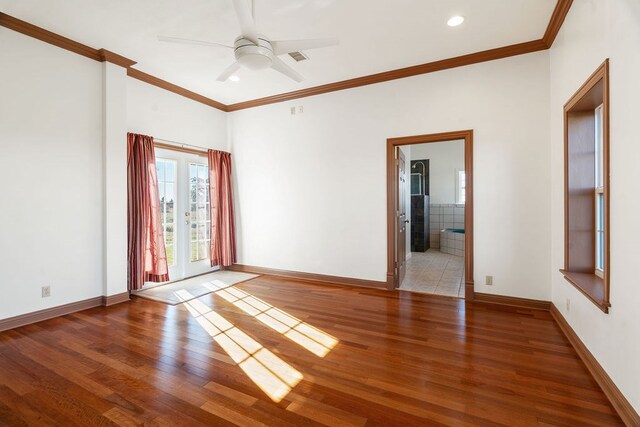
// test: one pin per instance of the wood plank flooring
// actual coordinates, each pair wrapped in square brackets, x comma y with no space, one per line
[263,354]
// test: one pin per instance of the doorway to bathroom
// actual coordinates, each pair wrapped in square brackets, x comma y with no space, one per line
[430,214]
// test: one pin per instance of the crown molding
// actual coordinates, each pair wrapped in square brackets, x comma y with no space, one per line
[401,73]
[556,21]
[114,58]
[155,81]
[102,55]
[47,36]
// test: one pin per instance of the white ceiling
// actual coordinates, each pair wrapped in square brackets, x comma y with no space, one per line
[375,35]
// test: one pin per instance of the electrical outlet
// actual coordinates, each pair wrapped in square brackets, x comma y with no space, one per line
[568,304]
[489,281]
[293,111]
[300,109]
[46,291]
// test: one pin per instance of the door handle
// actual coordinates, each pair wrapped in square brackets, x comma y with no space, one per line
[406,221]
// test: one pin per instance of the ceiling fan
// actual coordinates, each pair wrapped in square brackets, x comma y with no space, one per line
[255,51]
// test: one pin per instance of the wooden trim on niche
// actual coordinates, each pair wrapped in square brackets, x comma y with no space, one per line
[613,393]
[309,277]
[557,18]
[601,74]
[532,304]
[392,143]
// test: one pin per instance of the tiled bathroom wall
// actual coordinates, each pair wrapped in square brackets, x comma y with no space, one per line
[452,243]
[441,217]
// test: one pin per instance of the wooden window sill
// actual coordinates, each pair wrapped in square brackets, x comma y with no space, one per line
[590,285]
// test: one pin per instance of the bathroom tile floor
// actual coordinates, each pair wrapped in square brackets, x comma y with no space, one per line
[434,272]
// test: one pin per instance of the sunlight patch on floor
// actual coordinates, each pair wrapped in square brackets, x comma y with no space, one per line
[270,373]
[312,339]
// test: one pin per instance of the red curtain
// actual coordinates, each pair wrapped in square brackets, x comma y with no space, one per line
[147,254]
[223,229]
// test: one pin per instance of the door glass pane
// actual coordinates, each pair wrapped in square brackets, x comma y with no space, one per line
[199,188]
[170,170]
[193,236]
[194,251]
[170,201]
[167,193]
[160,167]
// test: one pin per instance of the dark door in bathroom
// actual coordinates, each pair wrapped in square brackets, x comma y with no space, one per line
[419,212]
[401,222]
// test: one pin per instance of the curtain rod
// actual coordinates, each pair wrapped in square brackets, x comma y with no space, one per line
[180,144]
[167,144]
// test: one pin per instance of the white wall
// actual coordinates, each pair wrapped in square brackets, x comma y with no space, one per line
[445,159]
[166,115]
[311,188]
[63,221]
[593,31]
[51,175]
[114,163]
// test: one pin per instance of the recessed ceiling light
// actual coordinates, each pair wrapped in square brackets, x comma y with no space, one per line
[454,21]
[234,78]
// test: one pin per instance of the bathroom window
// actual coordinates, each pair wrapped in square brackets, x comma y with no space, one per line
[461,183]
[586,213]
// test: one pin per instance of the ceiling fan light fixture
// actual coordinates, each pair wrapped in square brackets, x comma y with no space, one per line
[254,61]
[252,56]
[456,20]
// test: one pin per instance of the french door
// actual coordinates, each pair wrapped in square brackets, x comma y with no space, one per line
[183,186]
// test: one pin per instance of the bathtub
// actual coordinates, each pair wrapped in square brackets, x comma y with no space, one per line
[452,241]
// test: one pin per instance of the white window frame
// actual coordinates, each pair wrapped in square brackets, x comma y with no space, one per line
[195,219]
[599,192]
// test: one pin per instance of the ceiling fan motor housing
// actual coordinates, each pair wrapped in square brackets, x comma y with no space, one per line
[252,56]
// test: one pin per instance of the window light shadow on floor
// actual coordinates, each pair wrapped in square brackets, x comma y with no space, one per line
[273,375]
[303,334]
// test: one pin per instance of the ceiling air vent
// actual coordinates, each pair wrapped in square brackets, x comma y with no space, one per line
[298,56]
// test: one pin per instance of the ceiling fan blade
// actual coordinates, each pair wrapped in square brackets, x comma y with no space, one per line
[279,65]
[229,70]
[245,18]
[285,46]
[190,41]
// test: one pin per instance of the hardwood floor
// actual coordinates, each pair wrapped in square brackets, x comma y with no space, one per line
[263,353]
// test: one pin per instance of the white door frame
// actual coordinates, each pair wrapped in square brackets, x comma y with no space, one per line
[183,267]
